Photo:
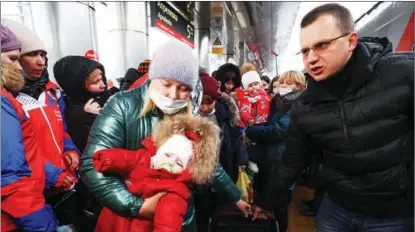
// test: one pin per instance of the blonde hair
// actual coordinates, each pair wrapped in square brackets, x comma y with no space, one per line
[149,105]
[247,67]
[297,77]
[11,78]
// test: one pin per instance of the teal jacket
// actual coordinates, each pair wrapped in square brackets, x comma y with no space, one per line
[119,126]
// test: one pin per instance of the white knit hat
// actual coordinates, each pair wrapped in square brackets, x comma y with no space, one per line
[250,77]
[179,145]
[30,40]
[175,61]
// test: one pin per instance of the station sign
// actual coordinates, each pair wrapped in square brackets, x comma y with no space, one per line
[166,18]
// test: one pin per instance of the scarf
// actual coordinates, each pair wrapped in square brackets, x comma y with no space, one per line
[35,87]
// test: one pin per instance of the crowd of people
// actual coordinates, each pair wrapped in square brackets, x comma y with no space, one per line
[77,156]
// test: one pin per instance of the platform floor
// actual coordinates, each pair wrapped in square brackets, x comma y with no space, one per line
[296,222]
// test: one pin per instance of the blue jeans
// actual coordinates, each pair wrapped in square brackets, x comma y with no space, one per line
[333,218]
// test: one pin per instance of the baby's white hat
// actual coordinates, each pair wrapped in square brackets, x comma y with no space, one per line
[179,145]
[250,77]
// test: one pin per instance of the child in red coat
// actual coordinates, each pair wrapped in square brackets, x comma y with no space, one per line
[179,153]
[253,101]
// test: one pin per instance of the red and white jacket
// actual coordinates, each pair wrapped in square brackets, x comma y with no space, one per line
[47,112]
[253,106]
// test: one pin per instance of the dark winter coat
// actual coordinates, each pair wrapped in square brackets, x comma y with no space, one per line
[268,140]
[130,77]
[233,152]
[363,119]
[71,73]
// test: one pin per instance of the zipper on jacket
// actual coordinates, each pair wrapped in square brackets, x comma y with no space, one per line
[343,120]
[51,130]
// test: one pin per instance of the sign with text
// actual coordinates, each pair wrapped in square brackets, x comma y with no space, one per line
[164,17]
[186,7]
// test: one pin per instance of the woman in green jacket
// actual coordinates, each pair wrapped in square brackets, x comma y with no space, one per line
[128,117]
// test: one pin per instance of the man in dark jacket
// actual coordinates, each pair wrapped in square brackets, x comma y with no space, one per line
[359,108]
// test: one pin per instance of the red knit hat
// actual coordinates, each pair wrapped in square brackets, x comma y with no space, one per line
[210,86]
[144,66]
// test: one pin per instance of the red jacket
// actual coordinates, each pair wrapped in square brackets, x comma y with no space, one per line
[134,166]
[49,126]
[24,173]
[253,106]
[139,82]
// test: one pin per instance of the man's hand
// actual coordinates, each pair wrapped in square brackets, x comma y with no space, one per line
[244,207]
[71,159]
[149,206]
[242,168]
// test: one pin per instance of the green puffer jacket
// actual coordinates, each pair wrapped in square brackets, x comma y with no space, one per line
[119,126]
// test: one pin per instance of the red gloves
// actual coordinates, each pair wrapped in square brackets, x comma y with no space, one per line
[65,180]
[115,160]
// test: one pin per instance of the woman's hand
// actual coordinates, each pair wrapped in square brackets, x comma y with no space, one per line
[149,206]
[258,214]
[92,107]
[71,159]
[244,207]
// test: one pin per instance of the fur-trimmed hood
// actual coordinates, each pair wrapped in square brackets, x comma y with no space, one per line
[11,78]
[206,150]
[283,103]
[233,108]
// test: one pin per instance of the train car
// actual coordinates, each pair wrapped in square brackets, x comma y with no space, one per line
[394,20]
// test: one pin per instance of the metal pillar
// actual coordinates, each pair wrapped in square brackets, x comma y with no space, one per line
[202,32]
[228,34]
[64,27]
[127,35]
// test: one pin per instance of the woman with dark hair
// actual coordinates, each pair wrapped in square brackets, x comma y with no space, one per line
[273,86]
[214,73]
[85,85]
[265,82]
[229,77]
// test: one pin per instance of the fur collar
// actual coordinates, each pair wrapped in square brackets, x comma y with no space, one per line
[11,79]
[291,96]
[283,104]
[233,108]
[206,151]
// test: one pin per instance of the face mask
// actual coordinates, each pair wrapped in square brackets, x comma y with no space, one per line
[283,91]
[167,105]
[275,90]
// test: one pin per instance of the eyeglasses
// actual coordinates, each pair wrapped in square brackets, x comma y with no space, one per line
[320,46]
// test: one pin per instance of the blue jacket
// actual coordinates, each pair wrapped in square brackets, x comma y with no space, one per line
[268,139]
[24,172]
